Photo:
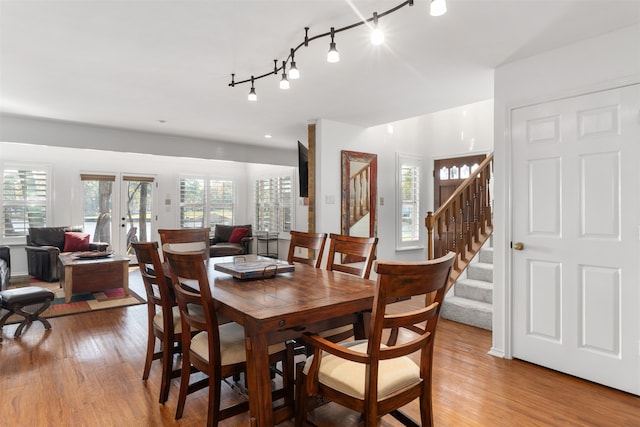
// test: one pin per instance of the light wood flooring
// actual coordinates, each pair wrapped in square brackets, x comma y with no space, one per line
[87,371]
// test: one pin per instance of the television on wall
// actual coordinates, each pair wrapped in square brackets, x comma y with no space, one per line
[303,169]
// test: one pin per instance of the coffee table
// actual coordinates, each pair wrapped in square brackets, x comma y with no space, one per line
[78,275]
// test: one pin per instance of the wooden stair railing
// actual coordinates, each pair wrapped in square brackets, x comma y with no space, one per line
[464,222]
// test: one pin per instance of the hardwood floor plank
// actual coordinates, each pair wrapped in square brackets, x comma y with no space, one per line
[87,371]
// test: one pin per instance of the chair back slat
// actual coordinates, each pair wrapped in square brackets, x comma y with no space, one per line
[351,250]
[186,240]
[313,242]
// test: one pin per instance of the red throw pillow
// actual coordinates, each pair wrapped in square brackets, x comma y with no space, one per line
[238,234]
[75,241]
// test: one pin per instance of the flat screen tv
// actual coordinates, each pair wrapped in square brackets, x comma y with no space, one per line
[303,169]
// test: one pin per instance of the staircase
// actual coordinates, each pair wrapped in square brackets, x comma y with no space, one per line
[470,300]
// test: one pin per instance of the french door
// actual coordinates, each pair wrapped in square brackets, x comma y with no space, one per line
[118,209]
[575,216]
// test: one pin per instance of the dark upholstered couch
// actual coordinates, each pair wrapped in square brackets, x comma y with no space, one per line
[5,267]
[221,245]
[44,244]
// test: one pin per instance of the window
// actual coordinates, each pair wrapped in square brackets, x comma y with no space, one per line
[25,199]
[408,202]
[274,204]
[205,202]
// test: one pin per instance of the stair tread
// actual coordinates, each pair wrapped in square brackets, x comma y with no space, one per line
[479,264]
[476,282]
[483,306]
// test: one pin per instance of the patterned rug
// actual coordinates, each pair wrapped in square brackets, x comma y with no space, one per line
[80,303]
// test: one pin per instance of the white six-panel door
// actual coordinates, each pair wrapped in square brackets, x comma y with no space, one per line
[576,213]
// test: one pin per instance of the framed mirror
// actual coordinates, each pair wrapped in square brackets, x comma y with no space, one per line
[359,193]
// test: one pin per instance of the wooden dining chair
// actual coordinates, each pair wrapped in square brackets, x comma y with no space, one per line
[369,377]
[351,255]
[312,242]
[219,350]
[163,316]
[186,240]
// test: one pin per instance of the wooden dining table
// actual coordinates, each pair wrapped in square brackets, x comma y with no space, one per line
[280,308]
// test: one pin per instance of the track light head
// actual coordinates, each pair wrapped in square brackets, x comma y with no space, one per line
[438,7]
[252,93]
[333,55]
[377,35]
[294,73]
[284,82]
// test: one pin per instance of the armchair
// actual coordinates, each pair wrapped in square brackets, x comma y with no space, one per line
[5,267]
[44,244]
[229,240]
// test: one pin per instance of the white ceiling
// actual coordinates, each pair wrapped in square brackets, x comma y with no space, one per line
[132,64]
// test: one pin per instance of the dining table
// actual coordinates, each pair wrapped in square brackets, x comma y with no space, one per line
[281,307]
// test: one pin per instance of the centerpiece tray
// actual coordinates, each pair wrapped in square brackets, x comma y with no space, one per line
[254,268]
[92,254]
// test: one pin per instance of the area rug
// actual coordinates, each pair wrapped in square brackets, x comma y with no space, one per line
[80,303]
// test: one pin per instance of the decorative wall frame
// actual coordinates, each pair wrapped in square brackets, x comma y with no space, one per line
[359,194]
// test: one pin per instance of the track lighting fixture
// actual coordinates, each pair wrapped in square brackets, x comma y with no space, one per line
[437,8]
[377,35]
[333,55]
[252,93]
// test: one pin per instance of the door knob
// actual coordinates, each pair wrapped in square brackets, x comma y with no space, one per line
[518,246]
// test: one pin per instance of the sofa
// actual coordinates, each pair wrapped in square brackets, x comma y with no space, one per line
[230,240]
[5,267]
[44,244]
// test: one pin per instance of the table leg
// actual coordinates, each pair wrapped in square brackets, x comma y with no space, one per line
[67,283]
[258,378]
[125,277]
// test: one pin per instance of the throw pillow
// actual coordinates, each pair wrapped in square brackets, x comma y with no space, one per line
[75,241]
[238,234]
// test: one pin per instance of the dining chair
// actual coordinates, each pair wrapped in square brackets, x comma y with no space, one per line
[355,254]
[312,242]
[352,255]
[162,313]
[186,240]
[219,350]
[368,376]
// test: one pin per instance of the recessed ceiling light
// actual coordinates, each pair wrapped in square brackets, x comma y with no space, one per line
[267,136]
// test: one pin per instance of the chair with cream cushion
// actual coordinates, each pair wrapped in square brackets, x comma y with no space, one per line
[160,300]
[368,376]
[219,350]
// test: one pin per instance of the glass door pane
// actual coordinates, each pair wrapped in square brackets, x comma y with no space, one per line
[138,208]
[98,203]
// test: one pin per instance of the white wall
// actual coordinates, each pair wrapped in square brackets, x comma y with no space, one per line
[455,132]
[68,163]
[592,64]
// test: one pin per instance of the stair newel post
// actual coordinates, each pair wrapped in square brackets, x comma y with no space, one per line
[429,223]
